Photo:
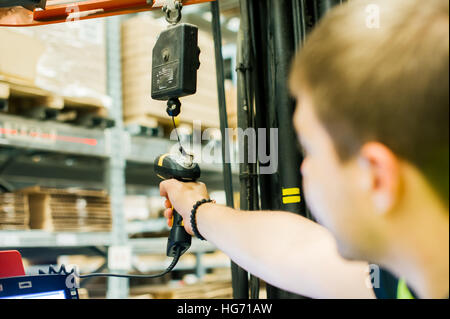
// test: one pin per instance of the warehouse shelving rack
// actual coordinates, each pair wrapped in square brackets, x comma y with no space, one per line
[107,146]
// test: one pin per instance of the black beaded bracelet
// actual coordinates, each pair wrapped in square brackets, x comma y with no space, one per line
[194,214]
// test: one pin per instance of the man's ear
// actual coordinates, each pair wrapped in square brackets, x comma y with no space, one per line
[382,175]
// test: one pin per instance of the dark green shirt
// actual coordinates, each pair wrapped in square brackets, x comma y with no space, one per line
[392,288]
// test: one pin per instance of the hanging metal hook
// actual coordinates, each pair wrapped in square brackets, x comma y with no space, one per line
[172,9]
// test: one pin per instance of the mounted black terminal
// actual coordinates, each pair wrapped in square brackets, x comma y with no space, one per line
[175,63]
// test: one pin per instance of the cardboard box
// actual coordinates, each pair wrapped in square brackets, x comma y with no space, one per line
[136,207]
[68,209]
[139,37]
[215,285]
[19,55]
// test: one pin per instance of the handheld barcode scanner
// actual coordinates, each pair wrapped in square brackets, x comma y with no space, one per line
[182,168]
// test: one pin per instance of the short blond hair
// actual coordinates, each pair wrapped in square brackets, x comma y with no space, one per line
[388,84]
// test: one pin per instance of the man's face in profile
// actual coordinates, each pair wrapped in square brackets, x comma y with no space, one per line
[334,189]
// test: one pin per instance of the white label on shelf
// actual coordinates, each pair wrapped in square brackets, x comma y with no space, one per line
[119,257]
[9,240]
[66,240]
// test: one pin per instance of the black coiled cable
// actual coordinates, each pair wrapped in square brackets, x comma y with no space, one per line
[172,265]
[169,269]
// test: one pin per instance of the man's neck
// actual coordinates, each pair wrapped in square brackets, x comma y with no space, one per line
[420,243]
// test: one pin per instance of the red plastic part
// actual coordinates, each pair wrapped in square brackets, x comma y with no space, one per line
[11,264]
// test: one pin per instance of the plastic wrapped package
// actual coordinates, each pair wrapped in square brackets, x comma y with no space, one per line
[73,62]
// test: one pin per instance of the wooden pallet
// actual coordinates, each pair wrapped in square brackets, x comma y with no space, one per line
[22,98]
[143,125]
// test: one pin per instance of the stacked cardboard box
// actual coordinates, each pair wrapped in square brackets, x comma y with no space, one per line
[141,207]
[139,37]
[14,214]
[68,209]
[216,285]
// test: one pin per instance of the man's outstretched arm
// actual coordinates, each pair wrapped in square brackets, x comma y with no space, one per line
[284,249]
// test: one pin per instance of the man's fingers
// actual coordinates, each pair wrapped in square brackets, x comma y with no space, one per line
[163,189]
[167,203]
[168,213]
[167,186]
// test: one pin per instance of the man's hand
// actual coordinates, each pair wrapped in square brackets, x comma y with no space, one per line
[182,196]
[15,16]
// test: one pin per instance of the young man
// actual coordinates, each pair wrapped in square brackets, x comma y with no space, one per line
[372,117]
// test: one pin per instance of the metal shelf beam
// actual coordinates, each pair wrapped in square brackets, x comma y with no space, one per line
[147,226]
[40,238]
[158,246]
[55,137]
[20,132]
